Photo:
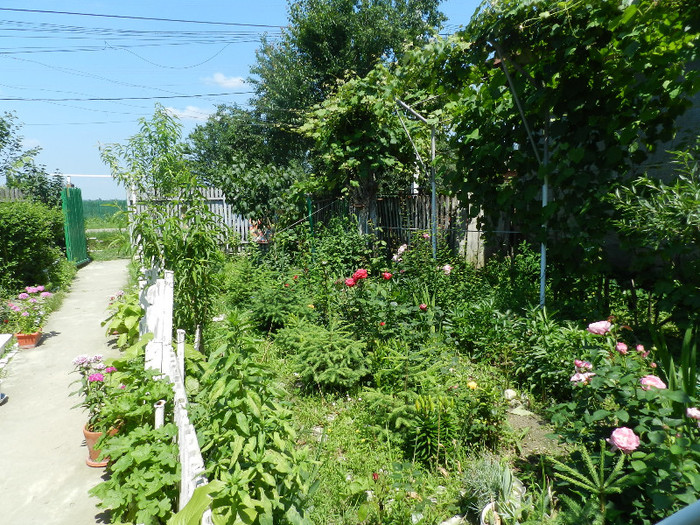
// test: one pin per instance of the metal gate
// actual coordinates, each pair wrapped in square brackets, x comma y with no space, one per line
[74,225]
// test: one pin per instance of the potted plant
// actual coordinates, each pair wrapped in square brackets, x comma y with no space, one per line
[95,381]
[27,314]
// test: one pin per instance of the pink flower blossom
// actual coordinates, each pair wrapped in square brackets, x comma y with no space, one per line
[693,412]
[624,439]
[640,348]
[23,296]
[582,377]
[447,269]
[402,249]
[99,366]
[584,365]
[81,360]
[653,365]
[621,347]
[92,378]
[426,236]
[360,274]
[350,282]
[25,314]
[32,300]
[40,288]
[423,306]
[599,328]
[96,358]
[46,294]
[110,369]
[31,289]
[122,386]
[386,276]
[652,381]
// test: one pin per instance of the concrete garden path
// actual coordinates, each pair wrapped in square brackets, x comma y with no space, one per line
[43,476]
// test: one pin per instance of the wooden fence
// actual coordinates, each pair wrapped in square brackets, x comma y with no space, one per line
[157,300]
[396,218]
[10,194]
[236,224]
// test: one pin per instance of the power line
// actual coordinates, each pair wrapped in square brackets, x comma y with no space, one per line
[126,17]
[110,99]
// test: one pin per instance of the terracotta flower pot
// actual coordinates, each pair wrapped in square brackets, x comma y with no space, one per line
[28,340]
[93,453]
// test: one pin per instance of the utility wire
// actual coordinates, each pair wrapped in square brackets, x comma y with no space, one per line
[126,17]
[112,99]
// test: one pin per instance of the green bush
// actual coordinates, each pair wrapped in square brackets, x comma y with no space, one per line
[31,237]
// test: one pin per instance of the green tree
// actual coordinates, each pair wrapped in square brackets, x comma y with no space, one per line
[573,93]
[20,169]
[329,41]
[660,223]
[172,226]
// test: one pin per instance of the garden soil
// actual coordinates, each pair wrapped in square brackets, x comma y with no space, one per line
[43,476]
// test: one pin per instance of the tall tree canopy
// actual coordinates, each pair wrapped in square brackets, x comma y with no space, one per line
[329,41]
[19,167]
[575,93]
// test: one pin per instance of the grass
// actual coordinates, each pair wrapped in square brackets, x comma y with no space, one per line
[108,245]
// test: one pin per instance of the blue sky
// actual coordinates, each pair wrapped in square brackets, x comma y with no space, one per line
[58,69]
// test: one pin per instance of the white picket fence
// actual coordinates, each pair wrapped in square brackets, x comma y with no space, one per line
[236,224]
[157,300]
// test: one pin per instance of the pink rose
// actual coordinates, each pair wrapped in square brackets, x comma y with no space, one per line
[652,381]
[585,365]
[386,276]
[624,439]
[350,282]
[693,413]
[402,249]
[423,306]
[447,269]
[621,347]
[582,377]
[426,236]
[361,273]
[599,328]
[640,349]
[653,365]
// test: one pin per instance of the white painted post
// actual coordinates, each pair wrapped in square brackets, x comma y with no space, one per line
[160,413]
[181,352]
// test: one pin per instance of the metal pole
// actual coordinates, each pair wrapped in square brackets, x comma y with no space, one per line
[545,200]
[433,195]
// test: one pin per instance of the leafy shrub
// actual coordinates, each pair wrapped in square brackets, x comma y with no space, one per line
[257,474]
[144,468]
[339,246]
[617,387]
[31,237]
[125,318]
[144,475]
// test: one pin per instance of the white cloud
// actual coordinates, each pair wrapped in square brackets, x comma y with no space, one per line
[28,143]
[227,82]
[190,113]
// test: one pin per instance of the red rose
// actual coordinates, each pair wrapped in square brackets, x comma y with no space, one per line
[375,476]
[423,306]
[361,273]
[386,275]
[350,282]
[286,285]
[382,323]
[295,277]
